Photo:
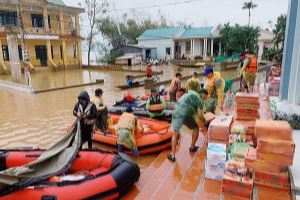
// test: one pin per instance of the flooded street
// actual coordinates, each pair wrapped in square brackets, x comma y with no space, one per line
[40,120]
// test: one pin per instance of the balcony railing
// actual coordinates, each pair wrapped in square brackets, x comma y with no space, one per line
[36,31]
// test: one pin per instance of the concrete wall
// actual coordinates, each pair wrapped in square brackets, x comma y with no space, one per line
[161,45]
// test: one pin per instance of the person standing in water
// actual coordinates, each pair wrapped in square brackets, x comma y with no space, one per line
[86,112]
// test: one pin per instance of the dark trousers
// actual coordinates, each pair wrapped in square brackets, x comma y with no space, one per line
[86,136]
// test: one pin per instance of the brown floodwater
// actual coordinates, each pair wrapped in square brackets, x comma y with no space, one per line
[40,120]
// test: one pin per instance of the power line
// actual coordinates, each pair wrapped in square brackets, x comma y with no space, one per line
[155,5]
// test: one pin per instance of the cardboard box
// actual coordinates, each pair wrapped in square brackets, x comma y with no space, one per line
[238,192]
[209,117]
[254,163]
[269,129]
[275,146]
[219,128]
[281,179]
[276,158]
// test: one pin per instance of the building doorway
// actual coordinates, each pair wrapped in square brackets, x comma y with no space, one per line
[148,53]
[41,53]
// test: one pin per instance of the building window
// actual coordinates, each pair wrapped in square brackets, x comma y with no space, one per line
[37,20]
[8,18]
[168,51]
[61,53]
[5,52]
[187,46]
[52,55]
[75,50]
[20,52]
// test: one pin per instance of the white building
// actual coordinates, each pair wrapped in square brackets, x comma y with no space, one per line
[177,43]
[265,41]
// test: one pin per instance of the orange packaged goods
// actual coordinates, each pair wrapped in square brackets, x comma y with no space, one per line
[219,128]
[276,146]
[280,180]
[248,97]
[273,130]
[276,158]
[156,108]
[237,186]
[209,117]
[257,164]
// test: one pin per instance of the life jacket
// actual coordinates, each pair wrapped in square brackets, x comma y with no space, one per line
[86,113]
[155,100]
[252,67]
[127,121]
[194,84]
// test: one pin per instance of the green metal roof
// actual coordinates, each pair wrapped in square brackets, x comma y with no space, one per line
[57,2]
[197,32]
[158,33]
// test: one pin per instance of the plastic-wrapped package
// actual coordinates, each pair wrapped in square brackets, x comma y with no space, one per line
[237,166]
[215,161]
[238,150]
[238,133]
[282,110]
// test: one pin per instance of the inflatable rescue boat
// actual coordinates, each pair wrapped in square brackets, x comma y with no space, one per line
[92,175]
[155,137]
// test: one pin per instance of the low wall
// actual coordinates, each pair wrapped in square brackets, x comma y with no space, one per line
[16,87]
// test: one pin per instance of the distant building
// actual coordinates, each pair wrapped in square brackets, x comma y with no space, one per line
[52,32]
[265,41]
[141,50]
[129,59]
[179,43]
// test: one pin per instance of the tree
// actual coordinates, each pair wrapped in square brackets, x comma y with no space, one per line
[249,6]
[95,10]
[128,29]
[279,32]
[238,38]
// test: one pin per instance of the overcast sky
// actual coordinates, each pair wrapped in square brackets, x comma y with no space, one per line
[202,12]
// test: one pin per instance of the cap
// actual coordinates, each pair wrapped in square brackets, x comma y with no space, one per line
[207,70]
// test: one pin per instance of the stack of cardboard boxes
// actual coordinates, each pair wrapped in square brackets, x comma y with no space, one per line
[274,153]
[247,106]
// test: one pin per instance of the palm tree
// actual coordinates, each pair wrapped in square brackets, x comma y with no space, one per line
[249,5]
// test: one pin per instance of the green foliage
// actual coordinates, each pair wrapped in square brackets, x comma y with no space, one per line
[109,57]
[269,54]
[279,32]
[128,29]
[239,38]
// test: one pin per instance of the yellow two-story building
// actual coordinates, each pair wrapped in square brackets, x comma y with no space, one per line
[51,32]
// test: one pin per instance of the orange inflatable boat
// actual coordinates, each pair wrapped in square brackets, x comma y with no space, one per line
[155,137]
[93,175]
